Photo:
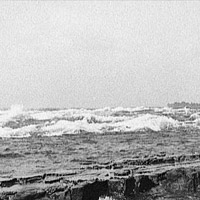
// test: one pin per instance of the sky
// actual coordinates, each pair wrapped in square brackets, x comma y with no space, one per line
[99,54]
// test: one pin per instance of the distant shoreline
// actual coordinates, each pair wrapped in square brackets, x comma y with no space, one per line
[183,104]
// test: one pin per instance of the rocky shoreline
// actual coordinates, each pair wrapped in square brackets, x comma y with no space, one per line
[148,166]
[159,177]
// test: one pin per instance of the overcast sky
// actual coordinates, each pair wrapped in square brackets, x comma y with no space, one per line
[98,54]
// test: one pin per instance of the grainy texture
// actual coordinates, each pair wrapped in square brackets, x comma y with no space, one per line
[143,164]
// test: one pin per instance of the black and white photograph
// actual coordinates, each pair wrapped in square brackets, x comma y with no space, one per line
[99,100]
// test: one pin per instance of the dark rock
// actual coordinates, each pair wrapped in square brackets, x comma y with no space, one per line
[181,181]
[68,195]
[116,187]
[8,183]
[32,179]
[145,184]
[117,166]
[130,186]
[77,193]
[58,196]
[94,190]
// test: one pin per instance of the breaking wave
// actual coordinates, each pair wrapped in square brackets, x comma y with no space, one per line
[146,122]
[17,122]
[14,110]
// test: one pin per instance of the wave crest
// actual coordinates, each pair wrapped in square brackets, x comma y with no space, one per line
[19,122]
[145,122]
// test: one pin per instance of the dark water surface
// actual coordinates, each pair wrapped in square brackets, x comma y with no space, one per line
[37,155]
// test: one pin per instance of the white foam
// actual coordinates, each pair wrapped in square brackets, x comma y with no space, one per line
[147,121]
[19,132]
[76,121]
[152,122]
[44,115]
[68,127]
[14,111]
